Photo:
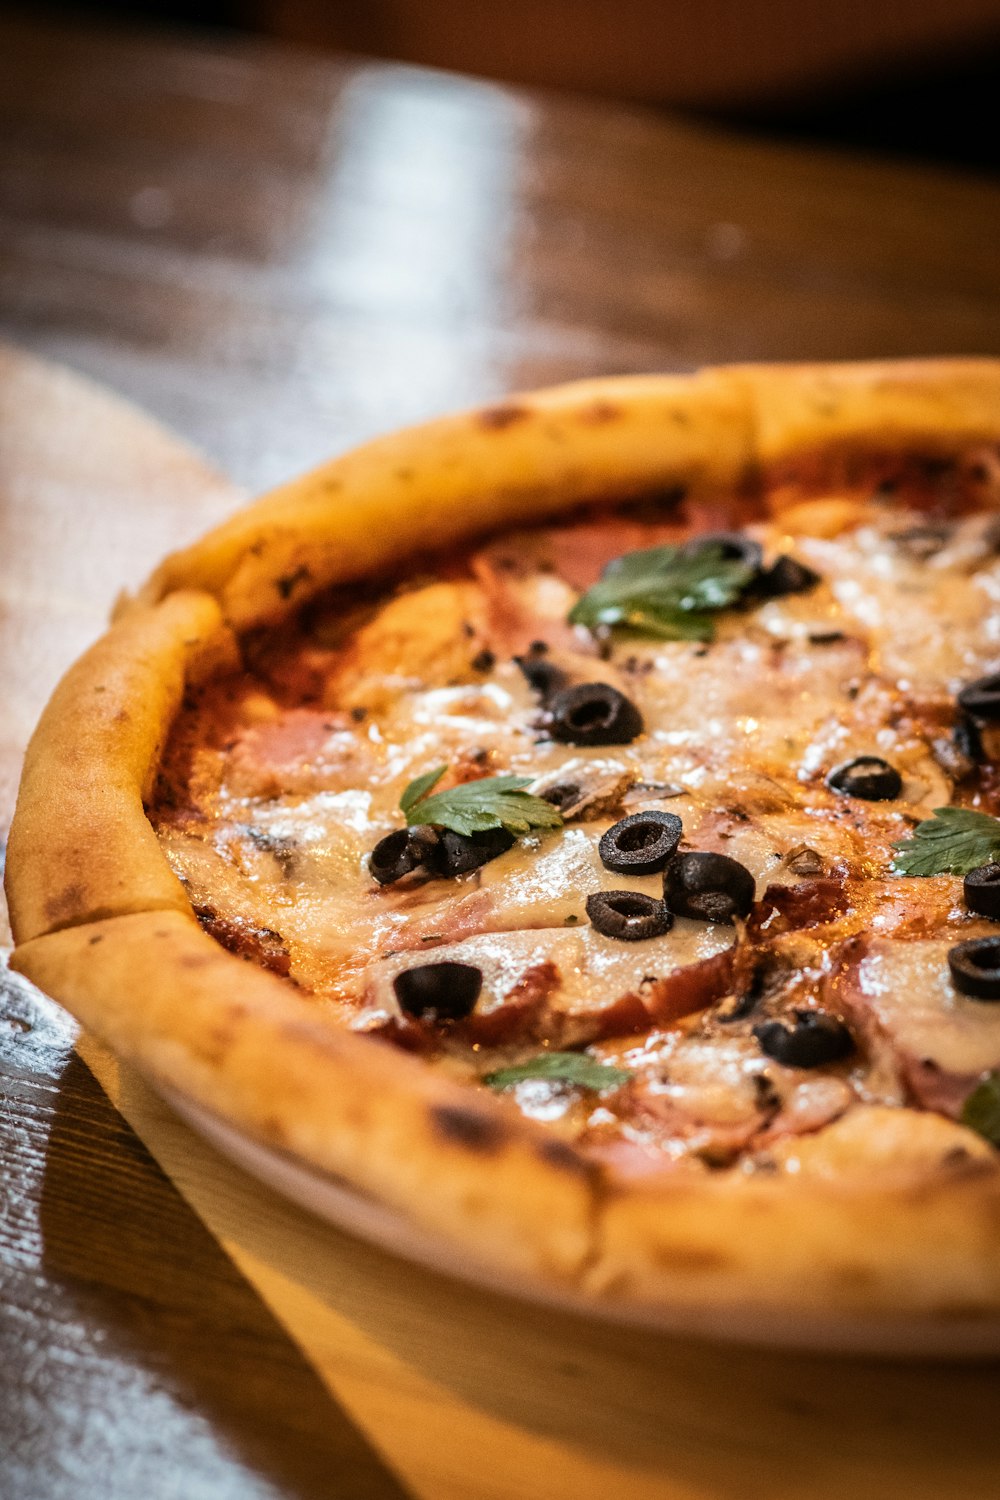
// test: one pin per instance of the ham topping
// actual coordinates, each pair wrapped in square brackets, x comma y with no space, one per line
[279,782]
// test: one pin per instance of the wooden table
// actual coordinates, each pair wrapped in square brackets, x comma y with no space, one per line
[276,255]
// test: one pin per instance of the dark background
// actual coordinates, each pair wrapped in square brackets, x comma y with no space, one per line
[918,79]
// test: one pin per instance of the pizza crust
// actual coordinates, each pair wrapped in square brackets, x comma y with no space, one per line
[842,1227]
[245,1046]
[81,847]
[932,407]
[94,904]
[541,453]
[535,455]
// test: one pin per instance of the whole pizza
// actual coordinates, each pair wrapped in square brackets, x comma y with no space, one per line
[573,825]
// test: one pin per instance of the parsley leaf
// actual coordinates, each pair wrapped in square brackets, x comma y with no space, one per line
[953,842]
[420,786]
[568,1067]
[669,592]
[981,1110]
[475,806]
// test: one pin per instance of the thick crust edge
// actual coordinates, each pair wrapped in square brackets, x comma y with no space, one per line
[463,1166]
[93,902]
[80,845]
[542,452]
[245,1046]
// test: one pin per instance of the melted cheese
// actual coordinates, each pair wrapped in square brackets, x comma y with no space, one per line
[907,987]
[283,805]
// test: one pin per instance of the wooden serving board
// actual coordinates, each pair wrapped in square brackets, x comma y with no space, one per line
[459,1393]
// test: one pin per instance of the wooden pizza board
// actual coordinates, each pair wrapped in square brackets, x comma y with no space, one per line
[464,1393]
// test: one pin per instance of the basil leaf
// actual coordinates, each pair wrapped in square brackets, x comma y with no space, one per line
[953,842]
[568,1067]
[981,1110]
[475,806]
[668,592]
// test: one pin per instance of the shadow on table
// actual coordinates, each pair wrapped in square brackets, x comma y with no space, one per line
[730,1423]
[703,1419]
[182,1380]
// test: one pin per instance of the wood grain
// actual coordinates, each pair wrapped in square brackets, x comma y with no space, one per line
[278,255]
[135,1360]
[470,1393]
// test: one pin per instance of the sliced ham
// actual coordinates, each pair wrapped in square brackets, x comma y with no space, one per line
[568,988]
[903,992]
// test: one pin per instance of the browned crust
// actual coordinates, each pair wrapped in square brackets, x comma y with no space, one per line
[836,427]
[544,452]
[432,485]
[930,406]
[242,1043]
[81,847]
[247,1047]
[858,1237]
[465,1167]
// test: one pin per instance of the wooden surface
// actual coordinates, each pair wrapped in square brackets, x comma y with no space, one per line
[277,255]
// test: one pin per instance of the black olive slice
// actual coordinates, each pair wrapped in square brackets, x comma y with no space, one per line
[982,891]
[810,1039]
[708,887]
[458,853]
[975,968]
[641,844]
[594,713]
[981,698]
[968,739]
[563,795]
[439,992]
[868,777]
[734,546]
[541,674]
[628,916]
[400,852]
[786,575]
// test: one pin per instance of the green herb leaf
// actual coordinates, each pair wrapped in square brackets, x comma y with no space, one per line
[953,842]
[664,591]
[419,787]
[475,806]
[981,1110]
[568,1067]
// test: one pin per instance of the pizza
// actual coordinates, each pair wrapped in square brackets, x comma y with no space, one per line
[574,825]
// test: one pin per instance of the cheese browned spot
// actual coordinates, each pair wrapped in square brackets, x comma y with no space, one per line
[279,782]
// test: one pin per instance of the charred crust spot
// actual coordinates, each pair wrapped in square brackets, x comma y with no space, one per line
[560,1154]
[97,938]
[691,1259]
[289,582]
[274,1127]
[854,1276]
[470,1128]
[598,413]
[498,418]
[66,904]
[962,1312]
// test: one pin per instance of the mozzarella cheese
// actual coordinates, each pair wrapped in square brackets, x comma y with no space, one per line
[282,801]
